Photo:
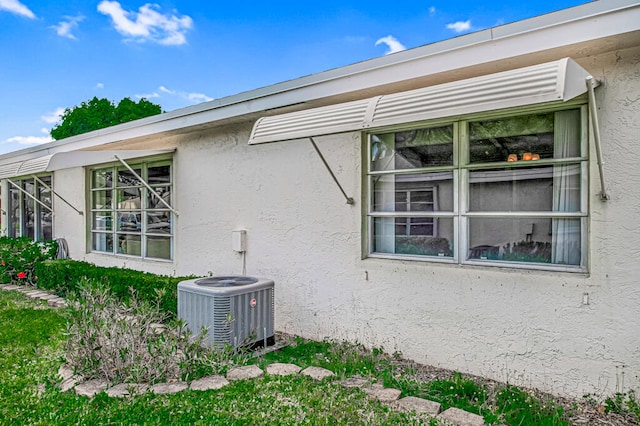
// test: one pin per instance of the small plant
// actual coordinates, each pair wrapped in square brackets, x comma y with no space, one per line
[459,392]
[19,257]
[622,403]
[127,341]
[517,407]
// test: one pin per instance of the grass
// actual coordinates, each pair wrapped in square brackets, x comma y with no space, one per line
[31,349]
[32,342]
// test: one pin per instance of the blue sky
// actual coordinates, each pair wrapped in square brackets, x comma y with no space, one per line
[55,55]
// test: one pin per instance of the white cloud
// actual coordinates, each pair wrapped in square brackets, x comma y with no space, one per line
[100,86]
[14,6]
[148,24]
[198,97]
[194,98]
[64,28]
[460,26]
[32,140]
[432,10]
[53,117]
[147,95]
[392,43]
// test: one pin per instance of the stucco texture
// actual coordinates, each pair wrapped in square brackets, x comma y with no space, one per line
[531,328]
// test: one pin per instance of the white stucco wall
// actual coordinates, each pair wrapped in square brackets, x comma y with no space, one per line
[526,327]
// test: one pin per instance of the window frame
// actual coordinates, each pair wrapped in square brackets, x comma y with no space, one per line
[461,169]
[38,210]
[145,211]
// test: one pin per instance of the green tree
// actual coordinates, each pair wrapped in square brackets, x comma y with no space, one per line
[100,113]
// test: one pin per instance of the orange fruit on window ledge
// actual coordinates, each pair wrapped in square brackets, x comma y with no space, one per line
[527,156]
[512,158]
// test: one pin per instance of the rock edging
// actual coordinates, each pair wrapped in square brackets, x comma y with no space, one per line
[375,391]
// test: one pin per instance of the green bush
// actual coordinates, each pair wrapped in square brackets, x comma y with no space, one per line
[19,257]
[64,276]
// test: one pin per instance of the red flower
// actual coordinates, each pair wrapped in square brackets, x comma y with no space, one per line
[22,275]
[3,264]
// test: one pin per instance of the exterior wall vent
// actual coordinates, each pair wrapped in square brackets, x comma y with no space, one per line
[236,310]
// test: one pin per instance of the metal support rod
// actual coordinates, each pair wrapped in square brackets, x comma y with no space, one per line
[349,199]
[56,194]
[155,194]
[30,196]
[591,83]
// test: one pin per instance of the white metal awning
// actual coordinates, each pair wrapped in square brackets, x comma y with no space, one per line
[560,80]
[67,160]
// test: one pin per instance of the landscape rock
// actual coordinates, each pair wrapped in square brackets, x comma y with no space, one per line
[92,387]
[317,373]
[126,389]
[65,372]
[166,388]
[355,382]
[382,394]
[461,418]
[9,287]
[419,405]
[207,383]
[280,369]
[243,373]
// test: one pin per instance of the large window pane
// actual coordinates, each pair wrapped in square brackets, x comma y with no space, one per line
[103,242]
[28,209]
[159,247]
[129,198]
[130,244]
[102,179]
[159,222]
[14,212]
[102,199]
[430,237]
[412,149]
[130,221]
[539,240]
[102,221]
[422,192]
[154,202]
[525,138]
[126,178]
[525,189]
[159,175]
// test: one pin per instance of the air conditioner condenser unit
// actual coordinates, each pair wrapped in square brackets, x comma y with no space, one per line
[236,310]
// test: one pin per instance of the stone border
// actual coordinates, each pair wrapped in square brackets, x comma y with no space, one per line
[375,391]
[37,294]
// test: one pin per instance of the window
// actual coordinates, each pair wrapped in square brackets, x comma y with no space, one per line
[507,190]
[30,208]
[126,217]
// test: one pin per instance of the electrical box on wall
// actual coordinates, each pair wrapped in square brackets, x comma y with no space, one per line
[239,240]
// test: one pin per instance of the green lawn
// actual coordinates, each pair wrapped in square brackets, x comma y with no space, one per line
[32,338]
[31,344]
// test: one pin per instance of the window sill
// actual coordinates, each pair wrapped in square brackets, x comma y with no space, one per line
[484,264]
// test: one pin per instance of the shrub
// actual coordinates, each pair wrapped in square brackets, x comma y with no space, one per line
[64,276]
[20,256]
[126,342]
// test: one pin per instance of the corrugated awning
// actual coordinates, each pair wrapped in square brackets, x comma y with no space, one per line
[560,80]
[67,160]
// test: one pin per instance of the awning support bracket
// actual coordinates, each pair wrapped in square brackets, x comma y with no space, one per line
[56,194]
[335,179]
[591,84]
[153,191]
[30,196]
